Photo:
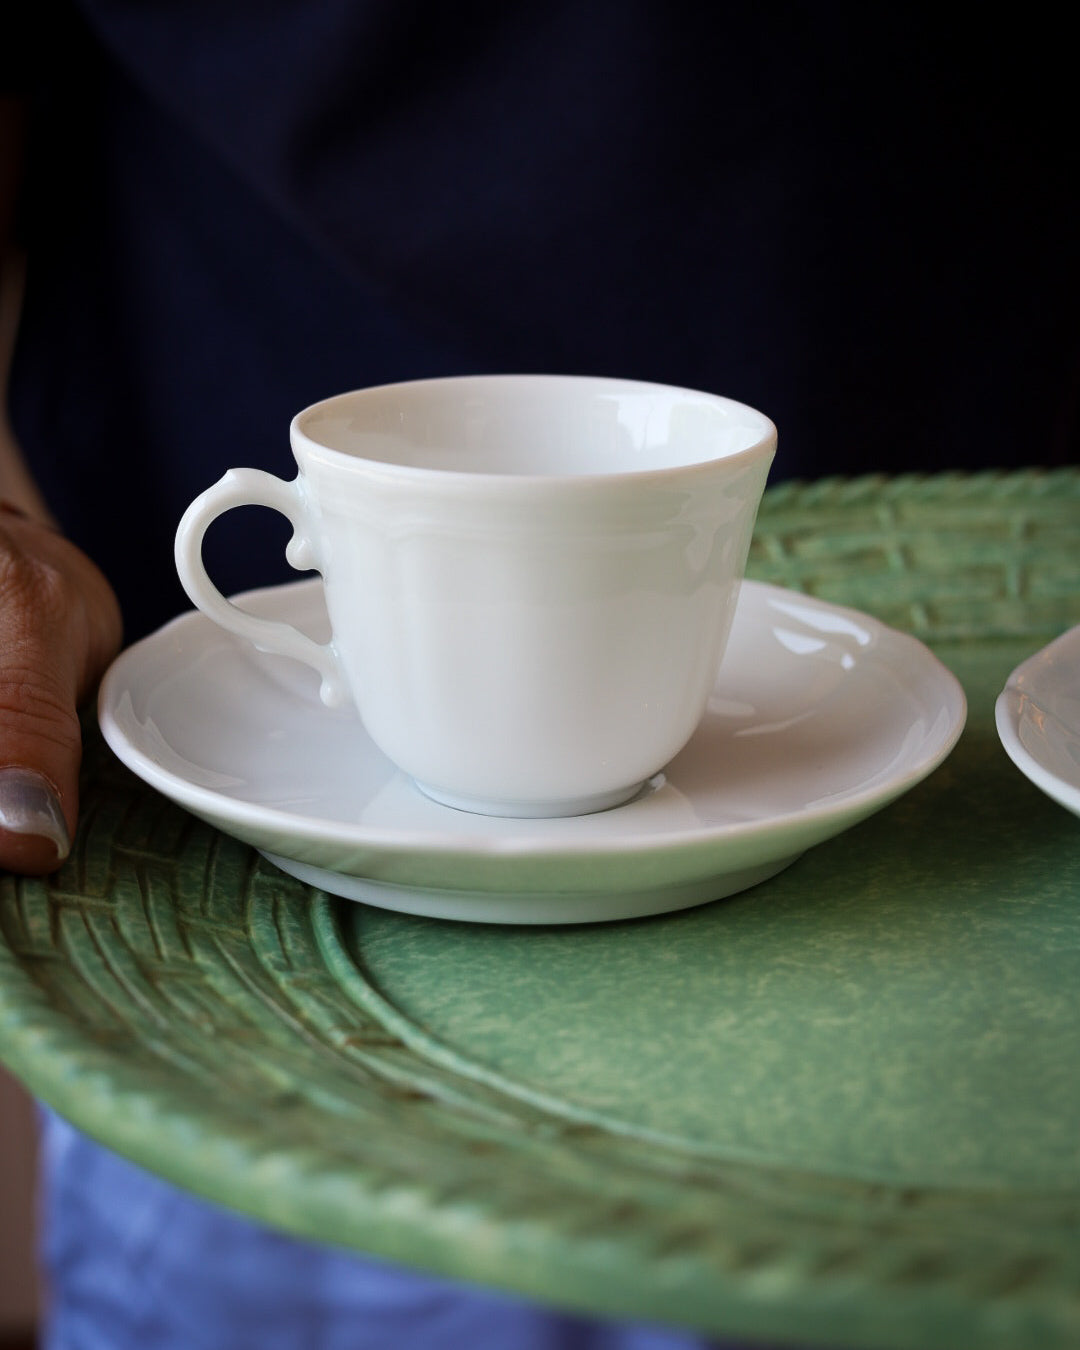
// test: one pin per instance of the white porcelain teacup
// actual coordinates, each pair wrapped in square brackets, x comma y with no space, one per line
[530,579]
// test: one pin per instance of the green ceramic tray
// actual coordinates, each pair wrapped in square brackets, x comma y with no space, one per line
[840,1108]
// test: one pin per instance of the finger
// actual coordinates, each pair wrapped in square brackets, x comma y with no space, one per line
[40,754]
[40,745]
[58,628]
[34,833]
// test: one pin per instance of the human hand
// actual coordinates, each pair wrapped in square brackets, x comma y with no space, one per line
[59,629]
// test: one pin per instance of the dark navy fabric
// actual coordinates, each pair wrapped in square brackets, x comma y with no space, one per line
[861,220]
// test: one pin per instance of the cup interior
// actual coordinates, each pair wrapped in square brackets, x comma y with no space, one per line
[533,426]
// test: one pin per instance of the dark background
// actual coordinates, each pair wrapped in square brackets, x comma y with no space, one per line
[861,221]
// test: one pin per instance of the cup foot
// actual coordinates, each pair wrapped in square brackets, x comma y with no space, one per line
[526,810]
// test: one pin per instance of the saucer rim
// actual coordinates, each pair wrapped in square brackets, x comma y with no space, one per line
[304,830]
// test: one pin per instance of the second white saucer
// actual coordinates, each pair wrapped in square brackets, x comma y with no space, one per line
[820,716]
[1038,719]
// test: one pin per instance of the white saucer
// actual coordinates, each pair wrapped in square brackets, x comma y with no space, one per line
[820,716]
[1038,719]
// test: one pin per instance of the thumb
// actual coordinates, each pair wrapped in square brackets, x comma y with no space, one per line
[34,834]
[59,627]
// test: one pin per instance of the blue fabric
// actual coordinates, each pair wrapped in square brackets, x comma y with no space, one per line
[135,1264]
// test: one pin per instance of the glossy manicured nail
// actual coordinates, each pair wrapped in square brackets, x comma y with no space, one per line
[29,805]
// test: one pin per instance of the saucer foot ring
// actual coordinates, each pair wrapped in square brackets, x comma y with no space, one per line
[528,908]
[566,806]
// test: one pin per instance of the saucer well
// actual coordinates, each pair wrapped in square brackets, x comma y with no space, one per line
[820,716]
[1038,719]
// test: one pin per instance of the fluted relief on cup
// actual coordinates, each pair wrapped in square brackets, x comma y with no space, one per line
[531,590]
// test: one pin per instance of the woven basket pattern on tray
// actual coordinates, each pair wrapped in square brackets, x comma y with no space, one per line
[183,1000]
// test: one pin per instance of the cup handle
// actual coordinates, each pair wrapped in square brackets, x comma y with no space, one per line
[253,487]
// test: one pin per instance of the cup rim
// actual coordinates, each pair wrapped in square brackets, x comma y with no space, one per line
[764,446]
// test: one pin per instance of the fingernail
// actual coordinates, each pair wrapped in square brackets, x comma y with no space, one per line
[29,805]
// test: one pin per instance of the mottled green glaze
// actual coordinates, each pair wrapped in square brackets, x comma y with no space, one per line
[841,1108]
[871,1029]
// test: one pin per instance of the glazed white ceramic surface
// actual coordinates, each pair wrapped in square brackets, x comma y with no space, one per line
[530,579]
[817,717]
[1038,719]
